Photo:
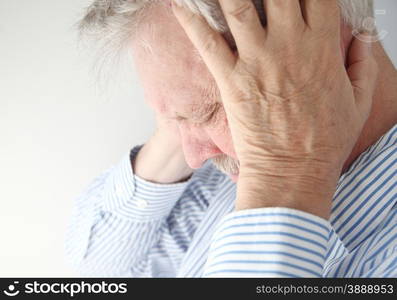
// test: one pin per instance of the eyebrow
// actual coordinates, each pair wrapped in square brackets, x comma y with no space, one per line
[199,113]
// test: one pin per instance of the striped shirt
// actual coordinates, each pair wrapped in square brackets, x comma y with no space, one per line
[124,226]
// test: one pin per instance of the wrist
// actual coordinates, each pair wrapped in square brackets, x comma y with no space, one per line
[161,162]
[305,193]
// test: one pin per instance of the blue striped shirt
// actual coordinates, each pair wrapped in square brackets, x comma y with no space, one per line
[124,226]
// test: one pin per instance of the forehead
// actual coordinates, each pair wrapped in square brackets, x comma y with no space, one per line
[170,69]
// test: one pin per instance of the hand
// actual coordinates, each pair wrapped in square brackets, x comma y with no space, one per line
[295,112]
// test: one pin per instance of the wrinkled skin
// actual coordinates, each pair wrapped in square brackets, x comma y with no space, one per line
[177,82]
[287,109]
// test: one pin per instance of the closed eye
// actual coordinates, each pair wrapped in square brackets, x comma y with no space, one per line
[203,115]
[213,113]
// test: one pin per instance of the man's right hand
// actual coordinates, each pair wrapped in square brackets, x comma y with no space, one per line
[161,159]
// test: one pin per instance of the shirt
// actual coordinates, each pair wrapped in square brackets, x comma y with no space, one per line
[125,226]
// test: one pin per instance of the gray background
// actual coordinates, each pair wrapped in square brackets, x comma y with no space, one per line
[58,131]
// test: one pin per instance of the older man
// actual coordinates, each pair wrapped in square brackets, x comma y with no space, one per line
[284,99]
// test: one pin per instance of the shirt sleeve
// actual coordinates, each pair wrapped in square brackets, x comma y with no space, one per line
[117,220]
[268,242]
[129,196]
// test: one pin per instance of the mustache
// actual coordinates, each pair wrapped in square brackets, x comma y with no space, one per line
[226,164]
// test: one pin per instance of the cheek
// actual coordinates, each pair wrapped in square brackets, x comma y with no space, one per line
[219,133]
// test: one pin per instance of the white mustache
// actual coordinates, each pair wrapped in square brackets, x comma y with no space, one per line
[226,164]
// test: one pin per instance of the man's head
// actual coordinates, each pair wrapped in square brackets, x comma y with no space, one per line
[176,82]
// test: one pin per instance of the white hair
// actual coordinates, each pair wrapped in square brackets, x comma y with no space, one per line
[115,20]
[111,24]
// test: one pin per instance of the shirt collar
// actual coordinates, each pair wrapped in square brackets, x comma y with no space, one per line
[366,193]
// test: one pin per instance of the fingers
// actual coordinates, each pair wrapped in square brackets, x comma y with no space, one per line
[244,23]
[283,14]
[212,47]
[362,70]
[321,14]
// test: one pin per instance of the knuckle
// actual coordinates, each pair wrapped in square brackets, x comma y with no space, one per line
[189,19]
[210,44]
[242,12]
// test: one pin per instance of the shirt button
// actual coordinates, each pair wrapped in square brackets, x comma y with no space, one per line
[141,203]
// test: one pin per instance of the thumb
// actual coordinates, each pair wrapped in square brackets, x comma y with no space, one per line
[362,70]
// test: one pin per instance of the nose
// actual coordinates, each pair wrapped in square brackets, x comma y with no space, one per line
[197,146]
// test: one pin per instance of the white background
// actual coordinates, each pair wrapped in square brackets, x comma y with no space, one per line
[57,132]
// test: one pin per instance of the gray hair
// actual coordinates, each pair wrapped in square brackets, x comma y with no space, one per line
[115,20]
[111,24]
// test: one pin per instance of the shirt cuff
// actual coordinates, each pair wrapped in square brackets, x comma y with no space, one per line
[130,196]
[268,242]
